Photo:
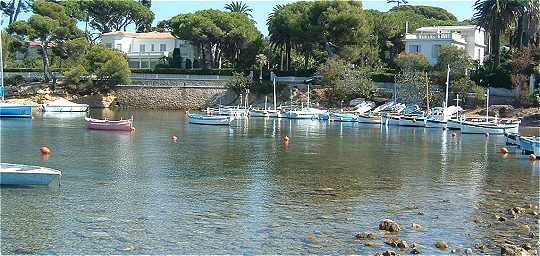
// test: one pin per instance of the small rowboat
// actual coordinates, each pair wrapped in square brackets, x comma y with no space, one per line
[63,105]
[19,174]
[121,125]
[210,120]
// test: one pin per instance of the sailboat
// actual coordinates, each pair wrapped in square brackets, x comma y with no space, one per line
[267,112]
[491,125]
[11,109]
[305,112]
[439,116]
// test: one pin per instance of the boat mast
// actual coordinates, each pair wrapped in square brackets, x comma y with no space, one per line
[427,93]
[487,105]
[265,102]
[447,86]
[275,94]
[457,100]
[308,103]
[1,66]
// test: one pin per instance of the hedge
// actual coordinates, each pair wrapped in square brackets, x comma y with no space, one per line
[383,77]
[299,73]
[32,70]
[222,72]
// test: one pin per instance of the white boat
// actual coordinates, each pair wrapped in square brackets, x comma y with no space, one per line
[304,113]
[63,105]
[209,120]
[490,125]
[439,116]
[411,112]
[19,174]
[376,116]
[412,120]
[363,107]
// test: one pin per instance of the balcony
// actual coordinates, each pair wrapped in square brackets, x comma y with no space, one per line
[436,36]
[146,55]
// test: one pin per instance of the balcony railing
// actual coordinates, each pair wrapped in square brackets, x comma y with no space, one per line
[436,36]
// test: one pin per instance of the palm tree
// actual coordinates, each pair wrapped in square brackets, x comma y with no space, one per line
[528,24]
[496,16]
[261,61]
[239,7]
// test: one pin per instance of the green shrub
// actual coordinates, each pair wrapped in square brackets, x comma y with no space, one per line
[15,80]
[299,73]
[383,77]
[160,70]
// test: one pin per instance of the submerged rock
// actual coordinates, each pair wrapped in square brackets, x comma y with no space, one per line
[403,244]
[366,236]
[501,218]
[469,251]
[371,244]
[387,253]
[441,245]
[392,241]
[389,225]
[415,251]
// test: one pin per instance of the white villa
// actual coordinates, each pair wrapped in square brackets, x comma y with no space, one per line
[146,50]
[428,40]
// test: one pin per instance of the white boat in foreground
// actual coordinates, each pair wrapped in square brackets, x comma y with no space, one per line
[210,120]
[491,128]
[19,174]
[63,105]
[304,113]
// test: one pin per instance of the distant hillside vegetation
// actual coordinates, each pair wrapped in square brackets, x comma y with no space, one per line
[427,11]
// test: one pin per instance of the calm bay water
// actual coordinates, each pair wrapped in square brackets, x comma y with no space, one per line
[238,189]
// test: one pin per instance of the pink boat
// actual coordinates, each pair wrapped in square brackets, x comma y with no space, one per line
[121,125]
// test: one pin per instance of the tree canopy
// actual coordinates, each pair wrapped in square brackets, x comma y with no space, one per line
[429,12]
[217,33]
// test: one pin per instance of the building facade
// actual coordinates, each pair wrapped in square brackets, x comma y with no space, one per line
[146,50]
[428,41]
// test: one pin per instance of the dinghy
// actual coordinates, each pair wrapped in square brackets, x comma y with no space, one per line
[99,124]
[209,120]
[530,144]
[375,116]
[439,116]
[63,105]
[343,117]
[18,174]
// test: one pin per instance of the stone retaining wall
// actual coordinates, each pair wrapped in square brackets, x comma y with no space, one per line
[195,95]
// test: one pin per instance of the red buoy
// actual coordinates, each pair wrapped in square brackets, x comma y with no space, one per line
[45,150]
[504,150]
[532,157]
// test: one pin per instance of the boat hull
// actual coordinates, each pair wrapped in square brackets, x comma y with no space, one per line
[14,174]
[433,123]
[15,110]
[453,125]
[530,145]
[390,120]
[482,128]
[65,108]
[209,120]
[122,125]
[414,122]
[344,117]
[369,119]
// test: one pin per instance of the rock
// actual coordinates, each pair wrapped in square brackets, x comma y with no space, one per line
[389,225]
[502,110]
[453,251]
[526,246]
[480,246]
[403,244]
[524,227]
[501,219]
[469,251]
[389,253]
[392,241]
[441,245]
[420,213]
[534,213]
[415,245]
[532,235]
[415,226]
[366,236]
[415,251]
[512,250]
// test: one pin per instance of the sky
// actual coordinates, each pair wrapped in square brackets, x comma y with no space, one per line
[165,9]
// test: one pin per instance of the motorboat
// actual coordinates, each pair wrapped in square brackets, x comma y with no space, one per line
[530,144]
[498,127]
[304,113]
[375,116]
[19,174]
[100,124]
[63,105]
[209,119]
[512,139]
[15,110]
[411,112]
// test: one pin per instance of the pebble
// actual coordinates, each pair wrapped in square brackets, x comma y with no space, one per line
[469,251]
[416,226]
[441,245]
[366,236]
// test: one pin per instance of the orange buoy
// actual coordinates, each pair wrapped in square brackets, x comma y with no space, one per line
[487,134]
[504,150]
[532,157]
[45,150]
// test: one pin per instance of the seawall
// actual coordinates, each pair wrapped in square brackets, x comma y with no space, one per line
[169,94]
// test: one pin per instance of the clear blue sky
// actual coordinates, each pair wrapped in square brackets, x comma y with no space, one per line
[165,9]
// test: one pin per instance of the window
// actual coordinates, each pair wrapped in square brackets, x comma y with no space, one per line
[152,48]
[162,47]
[108,45]
[141,48]
[436,49]
[414,48]
[118,46]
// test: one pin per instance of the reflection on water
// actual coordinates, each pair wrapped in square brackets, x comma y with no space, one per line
[239,189]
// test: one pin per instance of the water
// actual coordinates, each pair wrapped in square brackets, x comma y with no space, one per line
[240,190]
